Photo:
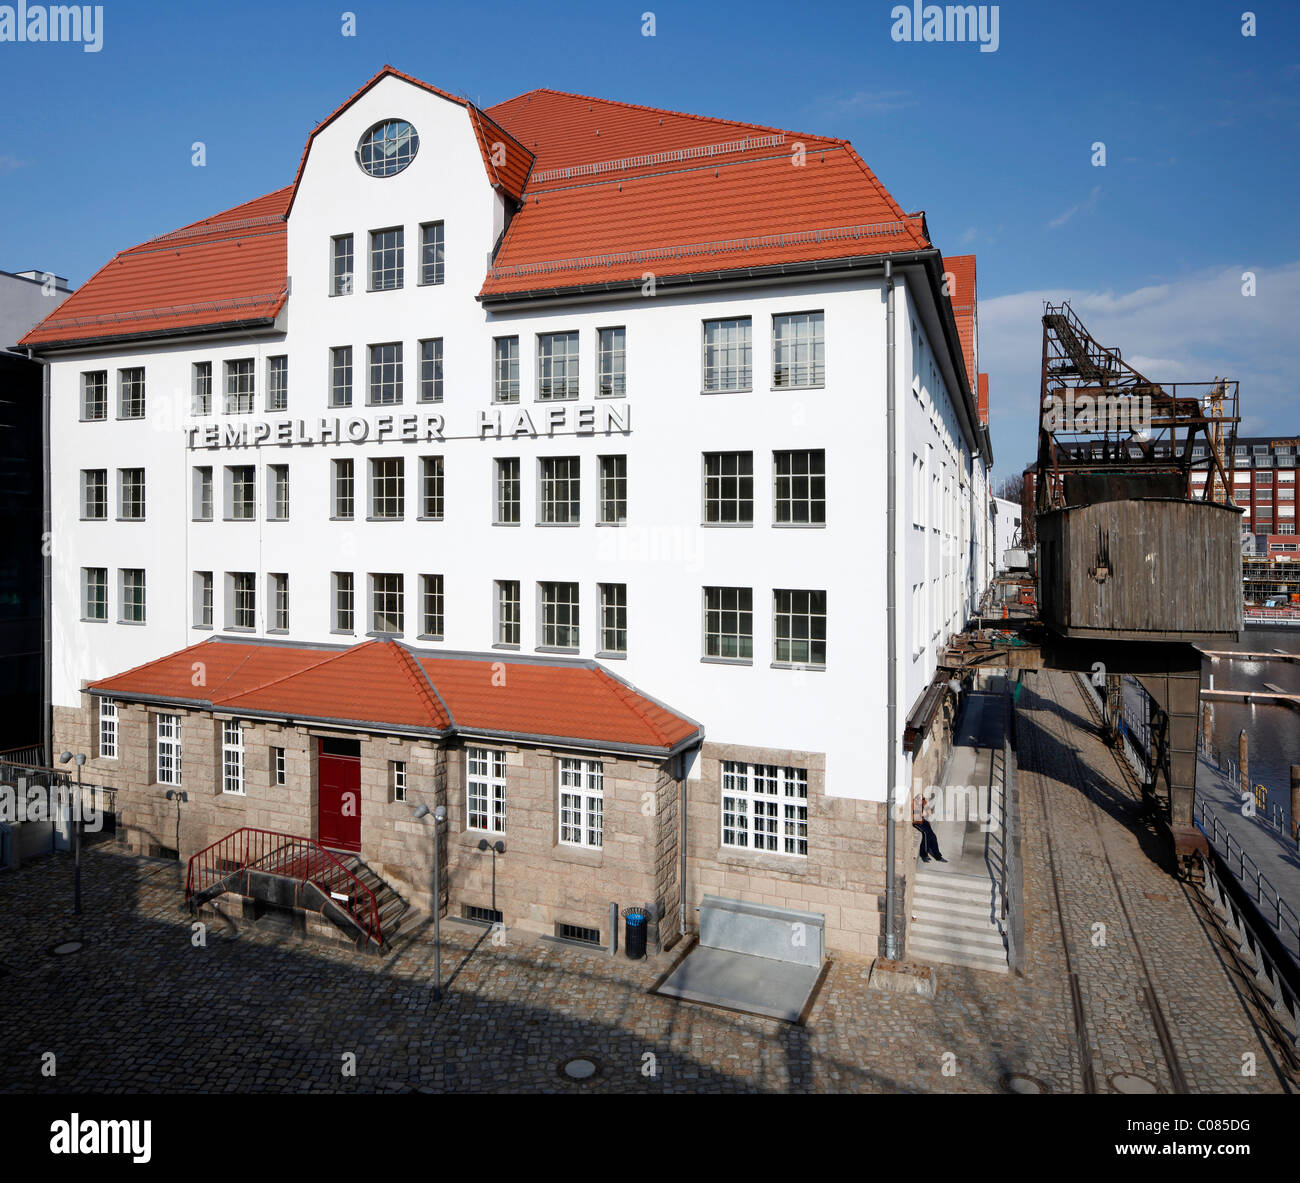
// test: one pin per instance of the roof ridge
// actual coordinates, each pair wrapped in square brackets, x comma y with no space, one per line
[286,677]
[659,111]
[209,218]
[907,219]
[632,698]
[420,679]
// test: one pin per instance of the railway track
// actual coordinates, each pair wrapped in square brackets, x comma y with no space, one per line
[1088,1051]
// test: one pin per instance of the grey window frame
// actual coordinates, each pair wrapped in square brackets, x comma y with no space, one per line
[387,473]
[786,497]
[433,271]
[96,381]
[342,278]
[383,390]
[433,487]
[723,489]
[552,509]
[792,614]
[277,382]
[554,633]
[812,367]
[508,625]
[387,259]
[717,361]
[722,610]
[240,385]
[131,496]
[433,605]
[131,392]
[340,376]
[507,478]
[396,591]
[613,489]
[343,489]
[100,600]
[100,486]
[505,369]
[431,372]
[613,619]
[611,362]
[564,387]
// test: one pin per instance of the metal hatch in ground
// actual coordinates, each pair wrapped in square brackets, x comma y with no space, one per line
[752,958]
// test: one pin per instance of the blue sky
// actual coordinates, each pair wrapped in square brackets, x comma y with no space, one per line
[1201,127]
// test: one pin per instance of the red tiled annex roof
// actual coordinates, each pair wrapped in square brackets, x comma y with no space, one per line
[384,684]
[227,269]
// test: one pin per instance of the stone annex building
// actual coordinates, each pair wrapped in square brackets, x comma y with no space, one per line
[608,475]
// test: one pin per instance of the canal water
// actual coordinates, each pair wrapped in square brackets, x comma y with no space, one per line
[1274,731]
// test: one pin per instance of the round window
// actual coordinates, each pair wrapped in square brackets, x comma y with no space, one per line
[388,147]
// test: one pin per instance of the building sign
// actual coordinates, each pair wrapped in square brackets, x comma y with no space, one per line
[497,423]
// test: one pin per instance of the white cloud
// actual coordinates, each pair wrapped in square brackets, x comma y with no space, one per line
[10,164]
[1084,207]
[1192,329]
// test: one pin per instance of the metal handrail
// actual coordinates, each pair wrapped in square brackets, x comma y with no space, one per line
[1284,918]
[294,857]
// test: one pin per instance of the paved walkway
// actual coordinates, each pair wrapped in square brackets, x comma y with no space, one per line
[141,1008]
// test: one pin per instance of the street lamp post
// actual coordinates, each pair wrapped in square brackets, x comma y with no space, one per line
[79,759]
[439,815]
[496,848]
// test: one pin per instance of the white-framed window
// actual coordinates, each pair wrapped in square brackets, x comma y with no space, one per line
[613,490]
[557,366]
[130,494]
[799,627]
[240,386]
[432,253]
[241,599]
[130,393]
[277,383]
[799,349]
[582,803]
[485,790]
[344,616]
[507,612]
[387,612]
[385,388]
[505,370]
[203,599]
[728,355]
[613,617]
[232,757]
[508,491]
[431,606]
[387,488]
[432,486]
[107,729]
[94,593]
[729,488]
[397,780]
[341,376]
[94,494]
[279,767]
[343,490]
[241,492]
[765,808]
[559,615]
[611,362]
[387,262]
[201,484]
[201,388]
[800,487]
[169,749]
[277,507]
[729,623]
[132,595]
[94,395]
[279,602]
[560,499]
[341,265]
[431,370]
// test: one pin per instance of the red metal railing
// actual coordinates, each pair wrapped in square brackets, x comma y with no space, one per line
[293,858]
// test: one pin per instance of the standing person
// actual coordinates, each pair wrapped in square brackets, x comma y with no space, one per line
[922,811]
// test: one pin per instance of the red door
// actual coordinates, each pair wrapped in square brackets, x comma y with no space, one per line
[339,765]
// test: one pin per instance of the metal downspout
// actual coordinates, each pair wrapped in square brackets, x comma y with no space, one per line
[891,618]
[681,881]
[47,584]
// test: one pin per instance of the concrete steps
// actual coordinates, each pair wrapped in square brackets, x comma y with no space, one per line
[955,920]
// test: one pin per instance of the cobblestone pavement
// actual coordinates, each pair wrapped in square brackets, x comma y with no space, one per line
[141,1008]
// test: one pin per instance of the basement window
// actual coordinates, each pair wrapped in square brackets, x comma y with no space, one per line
[575,932]
[480,915]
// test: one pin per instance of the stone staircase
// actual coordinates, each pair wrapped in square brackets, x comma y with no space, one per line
[392,907]
[956,919]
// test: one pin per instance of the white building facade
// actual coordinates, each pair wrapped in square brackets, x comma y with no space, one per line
[684,482]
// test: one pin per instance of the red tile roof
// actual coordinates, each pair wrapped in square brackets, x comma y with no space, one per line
[962,296]
[226,269]
[607,191]
[383,684]
[618,190]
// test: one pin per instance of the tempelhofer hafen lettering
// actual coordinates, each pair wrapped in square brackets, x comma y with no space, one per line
[946,22]
[78,1135]
[54,22]
[492,424]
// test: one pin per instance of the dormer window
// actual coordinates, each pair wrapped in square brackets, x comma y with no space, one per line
[387,148]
